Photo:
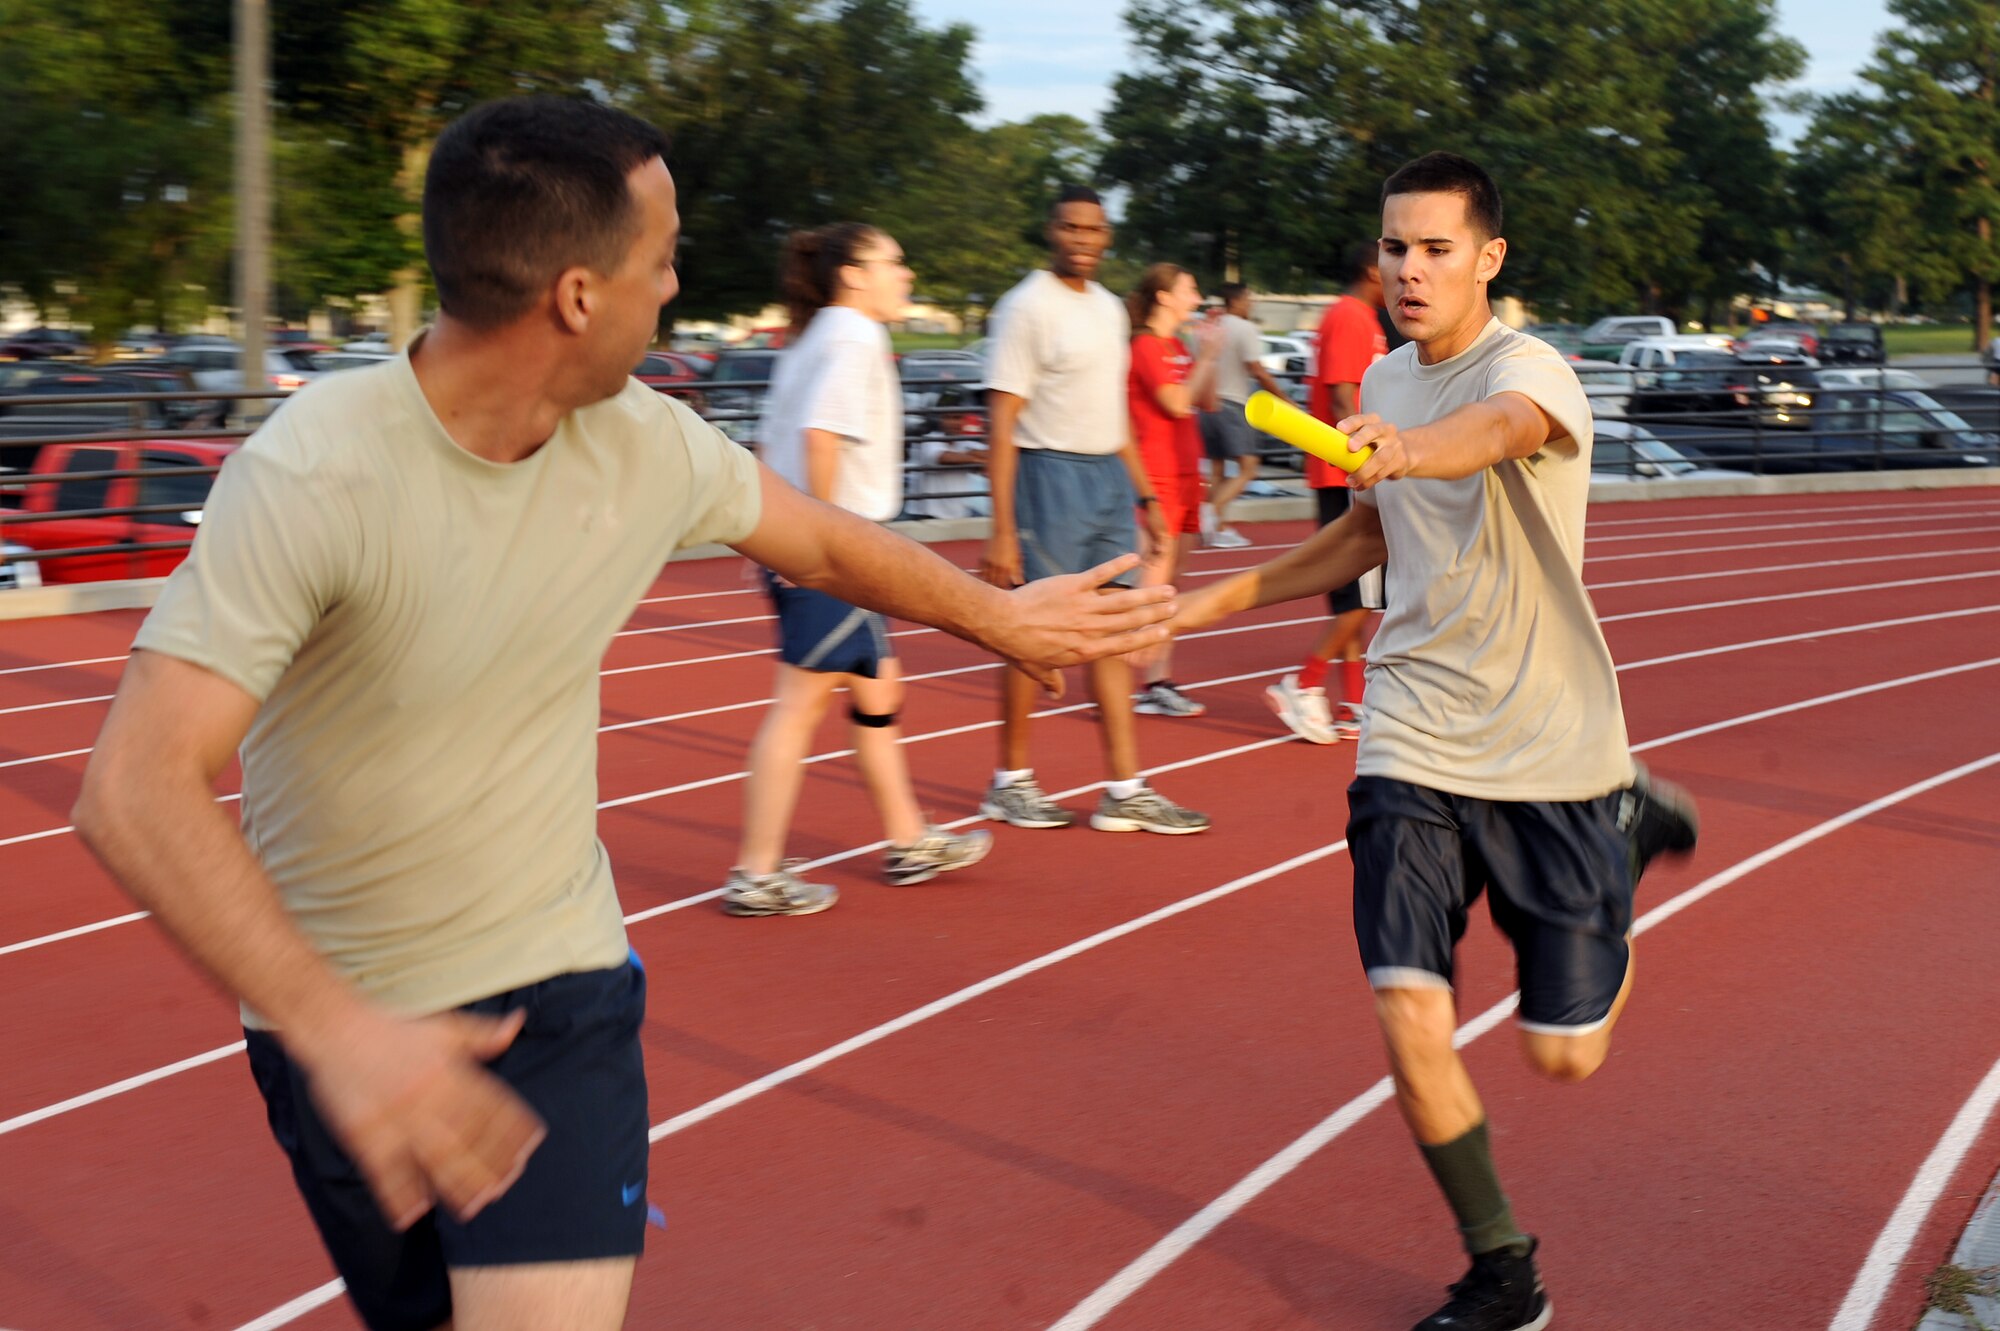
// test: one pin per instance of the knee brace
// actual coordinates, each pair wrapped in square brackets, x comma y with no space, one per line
[873,720]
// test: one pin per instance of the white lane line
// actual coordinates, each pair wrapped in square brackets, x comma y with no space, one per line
[1842,523]
[44,758]
[1800,596]
[280,1316]
[1840,540]
[734,656]
[45,706]
[1170,1248]
[77,932]
[297,1308]
[62,665]
[1755,570]
[1724,515]
[19,1121]
[1864,1298]
[701,624]
[636,917]
[699,596]
[1810,636]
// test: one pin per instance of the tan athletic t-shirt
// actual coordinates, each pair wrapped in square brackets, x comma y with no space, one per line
[1489,676]
[424,630]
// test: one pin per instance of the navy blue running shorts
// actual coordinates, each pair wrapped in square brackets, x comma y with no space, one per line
[825,634]
[577,1063]
[1558,878]
[1073,511]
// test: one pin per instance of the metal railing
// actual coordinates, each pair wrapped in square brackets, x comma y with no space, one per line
[1757,436]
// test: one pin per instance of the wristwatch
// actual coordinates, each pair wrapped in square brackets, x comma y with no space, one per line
[1149,499]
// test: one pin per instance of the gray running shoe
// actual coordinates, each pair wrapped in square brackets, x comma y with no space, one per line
[1024,805]
[936,851]
[780,893]
[1304,711]
[1147,811]
[1163,699]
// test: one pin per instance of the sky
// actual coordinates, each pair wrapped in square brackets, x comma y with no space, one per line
[1061,55]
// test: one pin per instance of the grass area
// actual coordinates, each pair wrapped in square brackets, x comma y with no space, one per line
[1927,339]
[926,341]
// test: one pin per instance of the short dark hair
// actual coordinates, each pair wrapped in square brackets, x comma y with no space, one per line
[1362,256]
[1448,173]
[1074,194]
[1229,292]
[522,188]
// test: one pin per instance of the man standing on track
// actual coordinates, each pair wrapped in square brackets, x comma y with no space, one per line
[1350,340]
[402,591]
[1226,436]
[1065,474]
[1493,757]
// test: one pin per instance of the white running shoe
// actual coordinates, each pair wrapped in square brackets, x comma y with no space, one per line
[1228,538]
[1304,711]
[1347,724]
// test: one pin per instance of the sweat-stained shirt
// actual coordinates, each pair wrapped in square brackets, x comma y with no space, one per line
[423,629]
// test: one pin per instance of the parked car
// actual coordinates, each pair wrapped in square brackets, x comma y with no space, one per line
[44,344]
[1287,354]
[1607,384]
[1627,452]
[1770,389]
[1653,353]
[746,404]
[1838,378]
[1774,329]
[1566,338]
[60,390]
[1603,339]
[675,375]
[1854,343]
[347,358]
[956,366]
[1849,430]
[176,486]
[219,369]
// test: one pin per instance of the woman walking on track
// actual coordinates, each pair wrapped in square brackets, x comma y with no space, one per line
[833,426]
[1166,388]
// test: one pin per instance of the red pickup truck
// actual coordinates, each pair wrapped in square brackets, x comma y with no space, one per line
[61,503]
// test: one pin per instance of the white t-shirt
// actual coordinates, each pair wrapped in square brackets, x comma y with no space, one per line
[1242,342]
[840,377]
[1489,676]
[1067,353]
[964,488]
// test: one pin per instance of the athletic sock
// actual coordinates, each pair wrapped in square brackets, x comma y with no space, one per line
[1312,675]
[1125,790]
[1002,778]
[1464,1171]
[1354,682]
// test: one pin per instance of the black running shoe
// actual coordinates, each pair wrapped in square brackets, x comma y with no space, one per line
[1501,1292]
[1657,817]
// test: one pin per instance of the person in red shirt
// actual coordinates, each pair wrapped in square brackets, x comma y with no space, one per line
[1166,387]
[1350,340]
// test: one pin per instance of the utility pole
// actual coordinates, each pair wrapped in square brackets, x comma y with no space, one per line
[253,189]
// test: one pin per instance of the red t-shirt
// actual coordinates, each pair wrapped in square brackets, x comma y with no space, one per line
[1170,445]
[1350,340]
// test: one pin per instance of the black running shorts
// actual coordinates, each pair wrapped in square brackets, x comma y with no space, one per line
[1558,878]
[583,1195]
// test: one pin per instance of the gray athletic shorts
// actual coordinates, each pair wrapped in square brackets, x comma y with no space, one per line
[1074,511]
[1226,434]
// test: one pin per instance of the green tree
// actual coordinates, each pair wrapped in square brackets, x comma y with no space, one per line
[1927,132]
[1273,122]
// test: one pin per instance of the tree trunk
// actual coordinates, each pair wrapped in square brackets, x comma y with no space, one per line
[1982,292]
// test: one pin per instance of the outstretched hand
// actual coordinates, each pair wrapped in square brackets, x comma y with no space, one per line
[1077,618]
[424,1122]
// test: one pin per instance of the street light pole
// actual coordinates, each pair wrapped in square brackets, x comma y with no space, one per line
[253,187]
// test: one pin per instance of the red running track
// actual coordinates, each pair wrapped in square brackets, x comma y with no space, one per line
[1029,1154]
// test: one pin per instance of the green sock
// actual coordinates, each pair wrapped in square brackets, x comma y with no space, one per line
[1464,1171]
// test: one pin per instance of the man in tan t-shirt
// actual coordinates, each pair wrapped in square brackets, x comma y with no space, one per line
[402,591]
[1493,755]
